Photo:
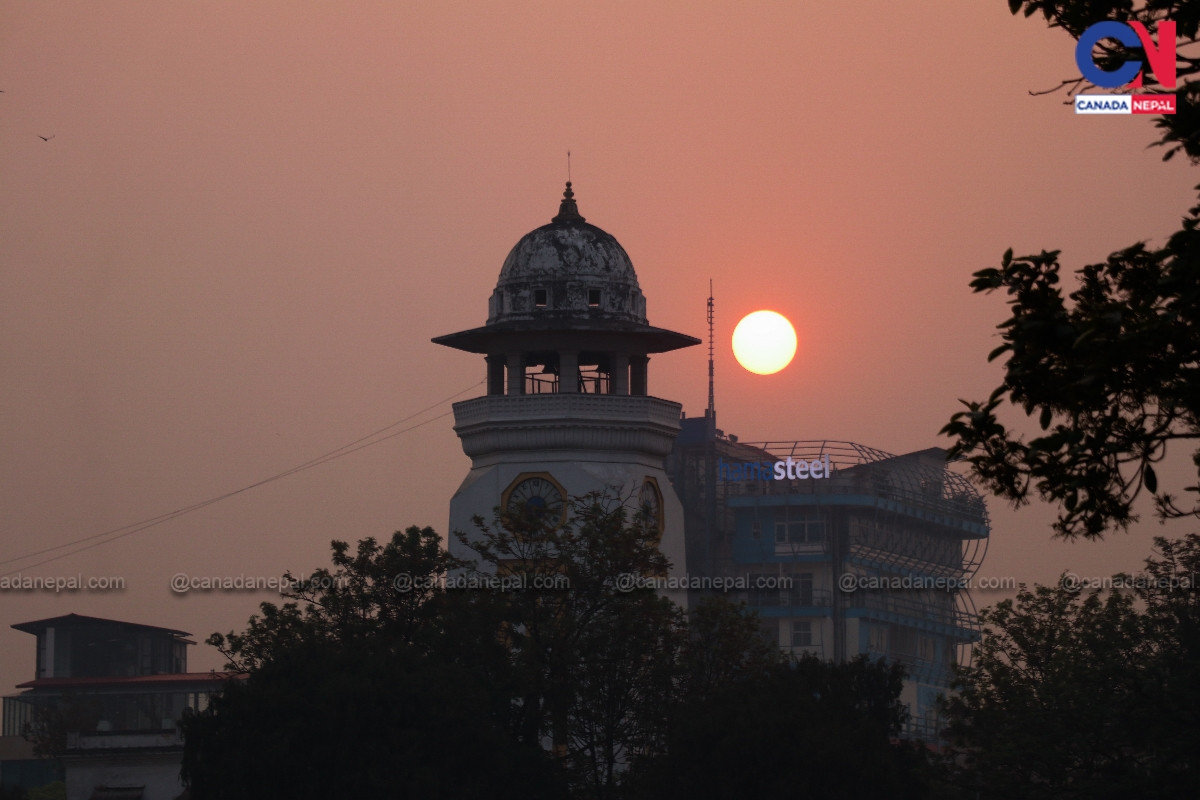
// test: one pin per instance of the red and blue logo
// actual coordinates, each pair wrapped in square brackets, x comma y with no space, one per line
[1161,58]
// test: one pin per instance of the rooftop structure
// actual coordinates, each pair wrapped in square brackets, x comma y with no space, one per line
[846,549]
[106,699]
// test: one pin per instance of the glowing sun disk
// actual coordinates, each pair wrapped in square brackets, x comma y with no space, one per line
[764,342]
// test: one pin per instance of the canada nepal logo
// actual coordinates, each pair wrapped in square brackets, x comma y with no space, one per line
[1132,34]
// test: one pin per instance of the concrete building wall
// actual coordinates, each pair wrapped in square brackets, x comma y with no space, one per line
[157,772]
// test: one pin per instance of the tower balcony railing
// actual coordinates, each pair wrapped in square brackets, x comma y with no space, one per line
[628,423]
[490,408]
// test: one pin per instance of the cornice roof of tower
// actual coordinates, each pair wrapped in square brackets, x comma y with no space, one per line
[570,283]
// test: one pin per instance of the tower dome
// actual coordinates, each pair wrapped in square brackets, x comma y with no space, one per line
[567,315]
[567,269]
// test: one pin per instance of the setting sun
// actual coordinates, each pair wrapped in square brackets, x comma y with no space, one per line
[764,342]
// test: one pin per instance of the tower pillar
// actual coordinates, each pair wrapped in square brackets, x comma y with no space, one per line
[620,373]
[515,362]
[568,371]
[495,373]
[637,375]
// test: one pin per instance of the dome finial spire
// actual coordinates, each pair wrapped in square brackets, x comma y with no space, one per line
[567,210]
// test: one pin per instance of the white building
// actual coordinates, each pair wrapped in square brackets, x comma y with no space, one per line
[568,409]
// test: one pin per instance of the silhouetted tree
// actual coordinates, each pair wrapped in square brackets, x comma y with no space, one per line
[390,592]
[359,686]
[359,721]
[559,673]
[809,728]
[1110,373]
[553,662]
[51,724]
[596,656]
[1087,694]
[725,645]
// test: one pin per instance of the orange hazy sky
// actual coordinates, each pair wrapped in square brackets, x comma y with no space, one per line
[250,218]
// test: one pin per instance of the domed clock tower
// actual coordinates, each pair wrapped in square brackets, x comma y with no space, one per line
[568,409]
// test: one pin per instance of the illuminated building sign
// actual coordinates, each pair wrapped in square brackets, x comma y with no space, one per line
[789,469]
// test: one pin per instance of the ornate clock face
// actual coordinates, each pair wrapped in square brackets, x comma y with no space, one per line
[650,503]
[538,495]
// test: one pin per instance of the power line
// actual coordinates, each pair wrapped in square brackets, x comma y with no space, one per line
[114,534]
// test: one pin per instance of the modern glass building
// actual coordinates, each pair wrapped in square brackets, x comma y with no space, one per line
[844,549]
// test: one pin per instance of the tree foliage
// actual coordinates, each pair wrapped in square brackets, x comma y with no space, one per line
[1113,380]
[1087,694]
[597,662]
[807,728]
[553,675]
[361,686]
[377,653]
[382,593]
[1110,372]
[358,721]
[725,645]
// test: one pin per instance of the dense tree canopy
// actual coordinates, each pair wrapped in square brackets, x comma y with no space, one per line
[1086,693]
[363,684]
[360,598]
[549,677]
[360,721]
[532,669]
[807,728]
[1110,372]
[598,665]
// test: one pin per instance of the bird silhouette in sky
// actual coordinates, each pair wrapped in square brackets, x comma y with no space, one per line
[46,138]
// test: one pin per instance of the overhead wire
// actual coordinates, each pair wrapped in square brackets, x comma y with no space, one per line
[114,534]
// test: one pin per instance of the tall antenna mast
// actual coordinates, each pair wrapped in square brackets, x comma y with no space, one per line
[712,411]
[714,528]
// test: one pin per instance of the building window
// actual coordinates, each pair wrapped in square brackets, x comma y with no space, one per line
[802,633]
[926,648]
[763,590]
[805,529]
[801,589]
[593,298]
[877,638]
[540,298]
